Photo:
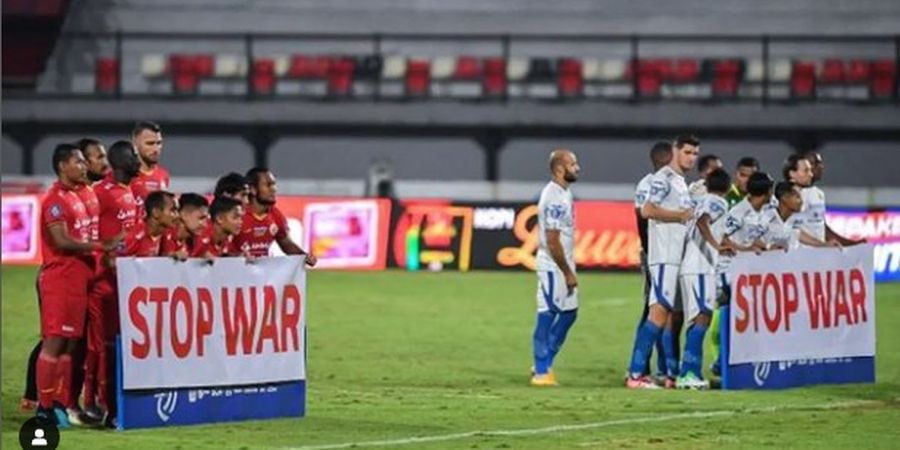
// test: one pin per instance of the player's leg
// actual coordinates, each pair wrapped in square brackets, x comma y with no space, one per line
[568,312]
[660,357]
[75,312]
[670,339]
[699,297]
[661,302]
[723,295]
[546,314]
[95,346]
[107,386]
[30,398]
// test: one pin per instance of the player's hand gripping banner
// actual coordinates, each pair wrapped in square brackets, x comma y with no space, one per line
[197,329]
[812,309]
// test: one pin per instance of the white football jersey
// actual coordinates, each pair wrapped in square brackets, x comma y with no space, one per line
[697,189]
[785,233]
[556,212]
[743,225]
[813,211]
[642,191]
[699,256]
[668,191]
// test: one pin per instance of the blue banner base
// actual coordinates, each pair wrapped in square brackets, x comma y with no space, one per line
[793,373]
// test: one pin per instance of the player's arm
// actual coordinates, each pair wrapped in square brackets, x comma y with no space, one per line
[831,236]
[659,189]
[554,245]
[706,232]
[60,238]
[289,247]
[810,240]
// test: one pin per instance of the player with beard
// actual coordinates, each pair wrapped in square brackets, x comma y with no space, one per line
[557,294]
[95,154]
[814,205]
[147,139]
[263,222]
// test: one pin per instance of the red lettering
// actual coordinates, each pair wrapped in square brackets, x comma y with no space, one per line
[181,297]
[858,295]
[290,320]
[772,318]
[841,308]
[790,296]
[742,320]
[159,295]
[755,281]
[238,323]
[819,308]
[138,296]
[269,330]
[204,317]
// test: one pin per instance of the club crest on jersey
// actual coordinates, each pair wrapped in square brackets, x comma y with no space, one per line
[55,211]
[555,211]
[273,229]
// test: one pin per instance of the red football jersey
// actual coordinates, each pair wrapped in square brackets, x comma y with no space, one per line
[171,244]
[147,182]
[62,205]
[140,243]
[92,206]
[118,209]
[258,232]
[203,243]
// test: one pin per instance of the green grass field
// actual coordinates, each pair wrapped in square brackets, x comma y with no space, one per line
[395,356]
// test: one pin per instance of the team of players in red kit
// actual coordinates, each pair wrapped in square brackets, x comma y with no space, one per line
[113,204]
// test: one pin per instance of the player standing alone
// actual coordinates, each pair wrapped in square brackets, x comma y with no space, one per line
[557,296]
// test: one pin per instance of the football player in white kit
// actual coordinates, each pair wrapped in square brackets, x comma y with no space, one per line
[669,209]
[698,274]
[660,155]
[744,227]
[814,205]
[705,165]
[557,295]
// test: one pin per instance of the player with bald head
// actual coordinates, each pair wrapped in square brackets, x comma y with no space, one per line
[557,295]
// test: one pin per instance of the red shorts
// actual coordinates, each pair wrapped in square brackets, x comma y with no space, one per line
[105,304]
[64,297]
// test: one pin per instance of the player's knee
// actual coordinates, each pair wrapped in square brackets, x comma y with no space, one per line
[658,315]
[702,319]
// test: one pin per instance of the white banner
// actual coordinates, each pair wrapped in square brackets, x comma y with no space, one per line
[803,304]
[189,324]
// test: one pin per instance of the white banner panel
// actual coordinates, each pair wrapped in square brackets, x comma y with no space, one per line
[803,304]
[187,324]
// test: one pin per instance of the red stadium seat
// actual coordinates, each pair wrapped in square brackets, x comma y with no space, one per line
[833,71]
[309,67]
[685,71]
[340,77]
[859,71]
[570,80]
[204,66]
[263,76]
[107,75]
[883,83]
[494,84]
[418,77]
[184,76]
[803,80]
[650,76]
[467,68]
[726,77]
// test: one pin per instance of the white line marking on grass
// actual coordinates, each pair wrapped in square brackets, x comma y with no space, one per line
[582,426]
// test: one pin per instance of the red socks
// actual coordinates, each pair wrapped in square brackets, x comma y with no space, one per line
[64,374]
[47,370]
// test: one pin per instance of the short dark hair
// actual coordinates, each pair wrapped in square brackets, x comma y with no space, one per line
[661,153]
[760,183]
[686,139]
[62,153]
[718,181]
[191,200]
[790,164]
[145,125]
[119,152]
[748,161]
[222,205]
[156,200]
[784,187]
[85,143]
[255,174]
[230,184]
[705,161]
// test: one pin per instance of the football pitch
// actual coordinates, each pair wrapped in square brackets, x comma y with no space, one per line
[441,360]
